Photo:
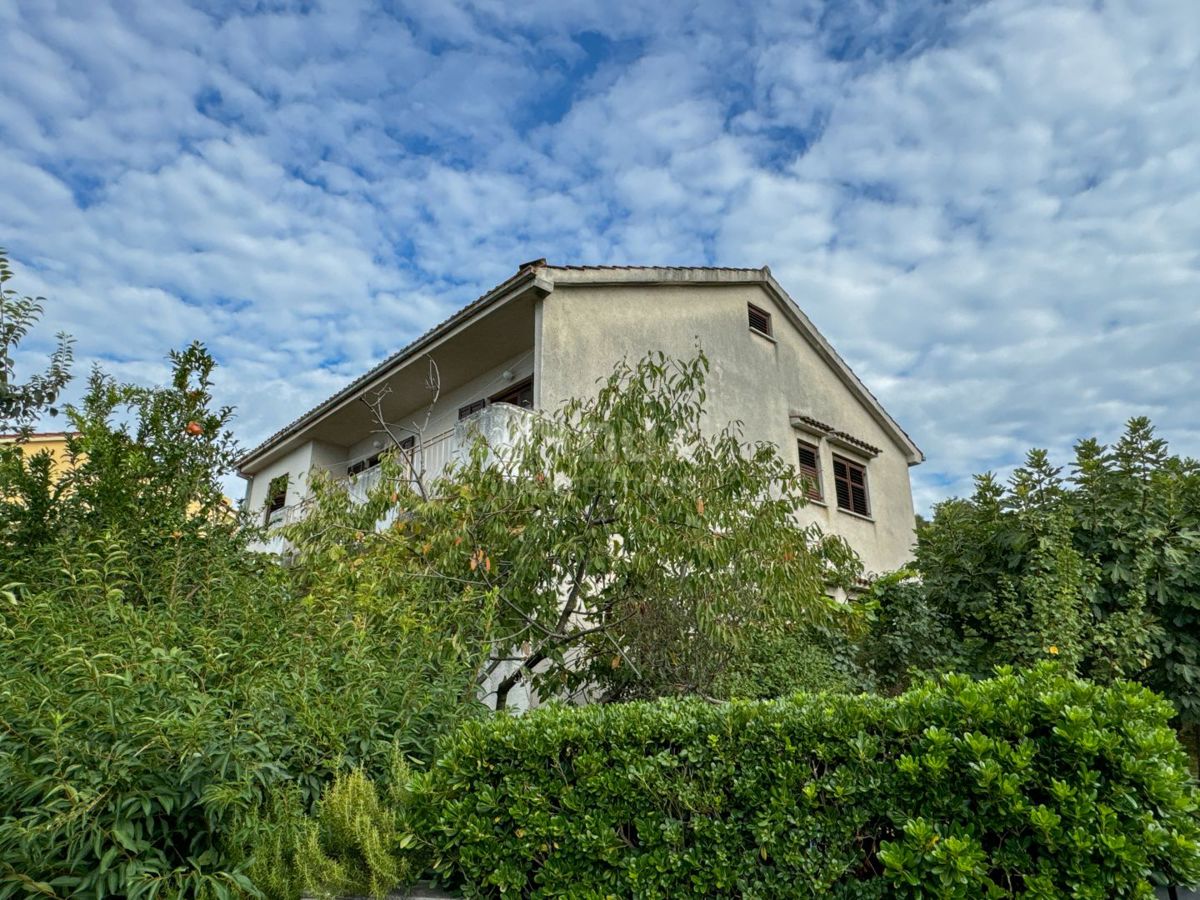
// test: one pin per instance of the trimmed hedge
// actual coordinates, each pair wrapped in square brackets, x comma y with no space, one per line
[1033,784]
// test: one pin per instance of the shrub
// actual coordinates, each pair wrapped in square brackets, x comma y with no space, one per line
[354,843]
[1097,566]
[796,658]
[1034,784]
[138,737]
[159,685]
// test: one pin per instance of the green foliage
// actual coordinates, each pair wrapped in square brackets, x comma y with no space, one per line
[355,843]
[908,634]
[780,662]
[151,459]
[160,686]
[138,737]
[22,403]
[1034,784]
[144,463]
[1099,568]
[611,545]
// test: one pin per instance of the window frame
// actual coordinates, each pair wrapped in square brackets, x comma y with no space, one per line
[751,311]
[851,465]
[275,504]
[815,491]
[512,394]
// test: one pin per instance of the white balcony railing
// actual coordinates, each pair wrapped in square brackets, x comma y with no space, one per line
[277,520]
[500,424]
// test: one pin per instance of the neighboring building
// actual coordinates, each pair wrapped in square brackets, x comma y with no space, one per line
[52,442]
[55,443]
[550,332]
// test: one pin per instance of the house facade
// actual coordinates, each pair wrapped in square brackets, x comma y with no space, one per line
[550,333]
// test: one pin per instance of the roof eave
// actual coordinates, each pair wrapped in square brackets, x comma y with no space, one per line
[527,278]
[825,350]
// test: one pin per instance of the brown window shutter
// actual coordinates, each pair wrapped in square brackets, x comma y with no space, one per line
[851,481]
[471,408]
[842,484]
[760,319]
[810,469]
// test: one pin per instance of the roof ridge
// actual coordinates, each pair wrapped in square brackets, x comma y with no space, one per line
[584,266]
[528,273]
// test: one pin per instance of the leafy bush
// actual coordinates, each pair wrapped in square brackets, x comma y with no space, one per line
[794,658]
[1035,784]
[139,737]
[1098,567]
[159,685]
[354,843]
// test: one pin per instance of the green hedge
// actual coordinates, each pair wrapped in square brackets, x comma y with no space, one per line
[1033,784]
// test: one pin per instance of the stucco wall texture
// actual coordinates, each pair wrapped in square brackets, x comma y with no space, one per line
[759,381]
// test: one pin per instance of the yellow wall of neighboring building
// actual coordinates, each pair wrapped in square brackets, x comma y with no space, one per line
[55,442]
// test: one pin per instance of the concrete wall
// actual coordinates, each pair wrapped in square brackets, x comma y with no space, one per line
[295,465]
[585,329]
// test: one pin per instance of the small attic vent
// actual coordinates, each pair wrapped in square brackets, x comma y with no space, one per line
[760,319]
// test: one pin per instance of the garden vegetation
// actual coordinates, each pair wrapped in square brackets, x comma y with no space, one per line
[183,717]
[1028,784]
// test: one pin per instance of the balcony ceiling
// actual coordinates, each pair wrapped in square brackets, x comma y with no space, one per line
[483,343]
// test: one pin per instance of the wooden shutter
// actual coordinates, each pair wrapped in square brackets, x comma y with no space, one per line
[471,408]
[810,469]
[760,319]
[518,395]
[850,480]
[362,465]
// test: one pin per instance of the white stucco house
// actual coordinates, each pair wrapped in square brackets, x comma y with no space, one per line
[549,332]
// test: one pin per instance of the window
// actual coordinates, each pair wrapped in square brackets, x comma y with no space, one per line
[363,464]
[810,469]
[760,319]
[471,408]
[275,503]
[518,395]
[850,478]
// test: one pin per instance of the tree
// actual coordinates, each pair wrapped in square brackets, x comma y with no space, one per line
[613,547]
[1098,567]
[21,403]
[143,463]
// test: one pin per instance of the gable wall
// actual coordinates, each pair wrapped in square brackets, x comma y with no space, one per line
[584,329]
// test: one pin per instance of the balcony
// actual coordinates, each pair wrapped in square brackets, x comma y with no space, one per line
[499,424]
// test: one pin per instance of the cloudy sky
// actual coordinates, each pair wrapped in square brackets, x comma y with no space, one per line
[992,209]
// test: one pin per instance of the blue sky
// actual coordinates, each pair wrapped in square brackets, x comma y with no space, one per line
[992,209]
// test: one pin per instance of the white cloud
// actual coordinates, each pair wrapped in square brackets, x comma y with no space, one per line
[990,208]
